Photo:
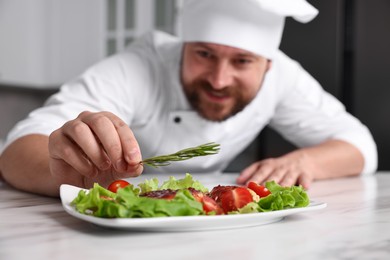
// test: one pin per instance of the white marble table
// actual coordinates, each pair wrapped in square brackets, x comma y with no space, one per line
[355,225]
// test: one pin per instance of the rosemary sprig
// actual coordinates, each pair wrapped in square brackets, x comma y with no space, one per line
[185,154]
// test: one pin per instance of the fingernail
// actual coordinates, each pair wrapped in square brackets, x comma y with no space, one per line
[134,155]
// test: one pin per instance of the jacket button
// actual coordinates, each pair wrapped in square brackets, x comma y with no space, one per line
[177,119]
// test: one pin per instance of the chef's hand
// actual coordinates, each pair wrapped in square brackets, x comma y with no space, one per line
[94,147]
[291,169]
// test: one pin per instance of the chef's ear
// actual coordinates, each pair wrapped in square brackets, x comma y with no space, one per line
[269,65]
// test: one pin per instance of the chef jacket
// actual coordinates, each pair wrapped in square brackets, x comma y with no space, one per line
[142,86]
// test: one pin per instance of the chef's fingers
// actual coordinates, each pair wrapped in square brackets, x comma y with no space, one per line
[290,178]
[247,173]
[62,149]
[277,170]
[257,172]
[305,180]
[106,135]
[117,140]
[131,150]
[83,136]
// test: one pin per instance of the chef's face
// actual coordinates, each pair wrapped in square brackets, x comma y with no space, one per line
[218,80]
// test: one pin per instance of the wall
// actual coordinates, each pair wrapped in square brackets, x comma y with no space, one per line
[16,103]
[45,42]
[371,77]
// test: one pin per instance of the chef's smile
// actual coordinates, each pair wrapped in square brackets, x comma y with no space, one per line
[211,95]
[217,96]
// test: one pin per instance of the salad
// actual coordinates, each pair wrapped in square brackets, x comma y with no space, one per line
[185,197]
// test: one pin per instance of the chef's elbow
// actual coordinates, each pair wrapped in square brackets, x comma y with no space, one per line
[370,154]
[363,140]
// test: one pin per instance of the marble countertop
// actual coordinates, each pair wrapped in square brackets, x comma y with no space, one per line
[354,225]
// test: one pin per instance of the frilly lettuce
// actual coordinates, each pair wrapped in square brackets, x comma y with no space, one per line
[283,197]
[126,203]
[173,184]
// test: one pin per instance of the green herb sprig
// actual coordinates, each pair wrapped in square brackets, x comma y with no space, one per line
[185,154]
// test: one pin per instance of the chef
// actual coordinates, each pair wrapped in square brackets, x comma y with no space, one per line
[222,80]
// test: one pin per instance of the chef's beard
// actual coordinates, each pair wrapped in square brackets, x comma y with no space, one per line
[203,107]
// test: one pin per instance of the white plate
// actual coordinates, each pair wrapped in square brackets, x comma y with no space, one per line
[186,223]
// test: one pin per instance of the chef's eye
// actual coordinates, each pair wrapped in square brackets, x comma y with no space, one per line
[204,54]
[243,61]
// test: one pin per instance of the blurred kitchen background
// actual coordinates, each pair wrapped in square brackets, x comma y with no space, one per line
[44,43]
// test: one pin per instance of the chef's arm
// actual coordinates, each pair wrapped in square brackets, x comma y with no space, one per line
[24,164]
[93,148]
[330,159]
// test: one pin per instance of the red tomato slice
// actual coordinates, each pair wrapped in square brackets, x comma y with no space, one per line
[259,189]
[234,199]
[119,184]
[217,191]
[209,204]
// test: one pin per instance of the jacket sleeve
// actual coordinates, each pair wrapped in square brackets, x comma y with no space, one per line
[102,87]
[307,115]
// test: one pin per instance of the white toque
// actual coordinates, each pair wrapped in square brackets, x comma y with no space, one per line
[252,25]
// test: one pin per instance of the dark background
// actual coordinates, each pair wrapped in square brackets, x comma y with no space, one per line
[347,49]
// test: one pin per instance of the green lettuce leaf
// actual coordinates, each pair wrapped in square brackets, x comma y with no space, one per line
[173,184]
[183,204]
[149,185]
[126,203]
[251,207]
[87,201]
[185,183]
[283,197]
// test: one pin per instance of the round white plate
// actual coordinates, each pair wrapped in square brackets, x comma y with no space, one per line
[186,223]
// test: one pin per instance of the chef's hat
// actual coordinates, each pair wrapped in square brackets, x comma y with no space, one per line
[252,25]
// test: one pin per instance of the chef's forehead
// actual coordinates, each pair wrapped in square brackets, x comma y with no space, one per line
[213,46]
[252,25]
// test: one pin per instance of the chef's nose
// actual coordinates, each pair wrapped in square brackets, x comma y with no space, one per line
[221,75]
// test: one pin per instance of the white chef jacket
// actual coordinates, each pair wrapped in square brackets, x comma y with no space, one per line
[142,86]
